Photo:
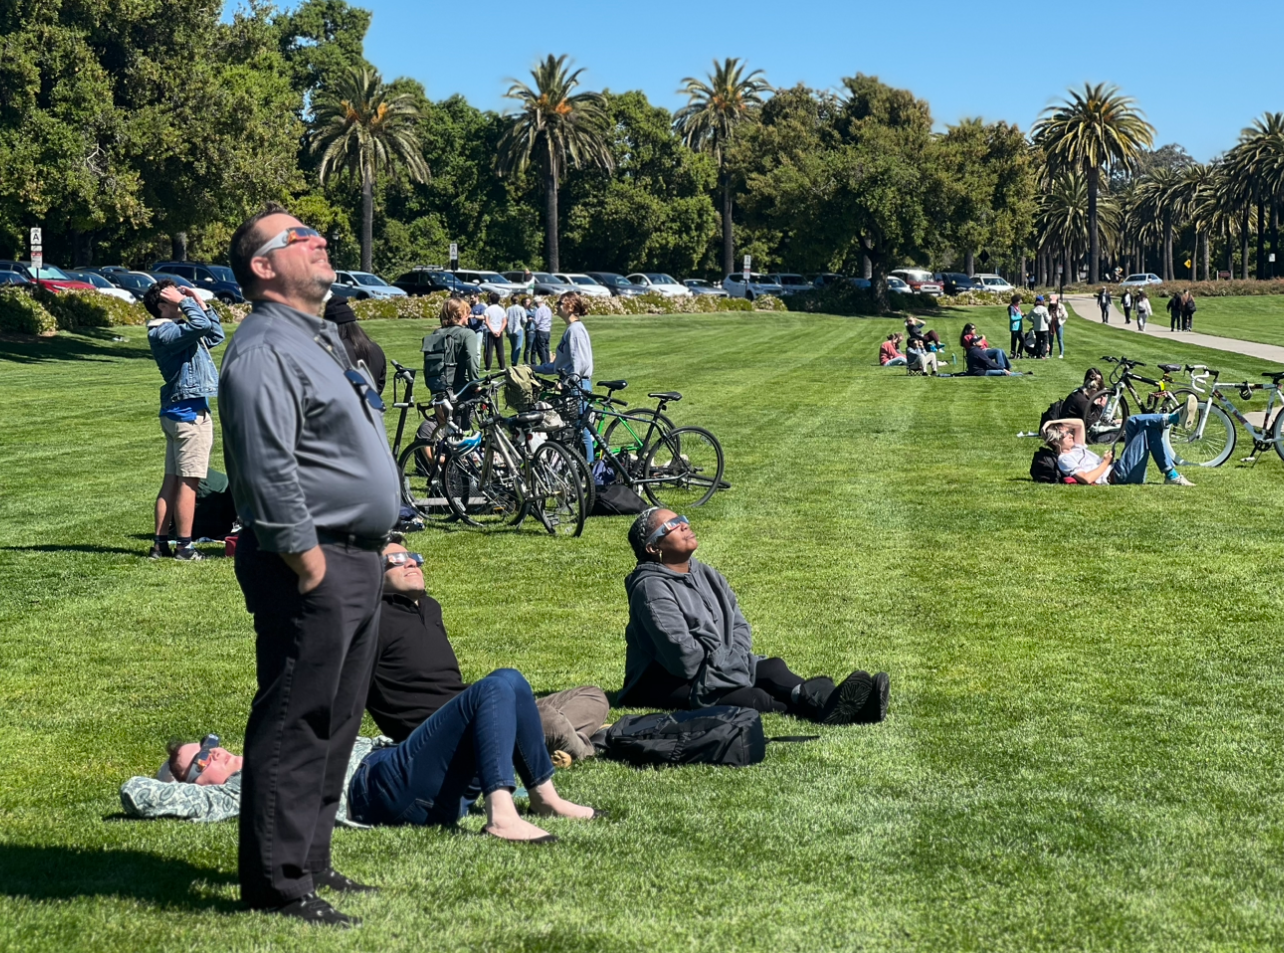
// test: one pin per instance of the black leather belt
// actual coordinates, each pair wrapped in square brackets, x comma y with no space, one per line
[372,544]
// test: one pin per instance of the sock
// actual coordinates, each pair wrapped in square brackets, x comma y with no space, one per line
[162,541]
[795,694]
[1173,418]
[1172,474]
[184,542]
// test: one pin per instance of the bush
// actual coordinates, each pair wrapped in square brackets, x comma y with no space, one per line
[90,309]
[21,313]
[1201,289]
[845,298]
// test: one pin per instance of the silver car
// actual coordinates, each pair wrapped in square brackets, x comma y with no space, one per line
[361,285]
[699,286]
[583,284]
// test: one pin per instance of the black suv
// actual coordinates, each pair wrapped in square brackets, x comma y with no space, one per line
[425,281]
[955,282]
[216,278]
[620,286]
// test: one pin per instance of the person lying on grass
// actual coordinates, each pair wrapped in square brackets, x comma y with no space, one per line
[416,672]
[689,646]
[474,742]
[1144,437]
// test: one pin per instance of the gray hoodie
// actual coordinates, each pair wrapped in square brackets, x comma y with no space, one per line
[690,624]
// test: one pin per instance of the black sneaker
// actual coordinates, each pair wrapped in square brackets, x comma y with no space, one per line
[331,879]
[188,554]
[312,909]
[159,552]
[875,709]
[848,701]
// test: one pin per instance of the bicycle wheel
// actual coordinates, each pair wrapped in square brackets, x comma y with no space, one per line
[1277,432]
[1209,442]
[1105,421]
[617,435]
[421,486]
[479,488]
[683,469]
[555,493]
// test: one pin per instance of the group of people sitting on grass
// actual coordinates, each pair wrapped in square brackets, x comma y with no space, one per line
[446,743]
[922,346]
[983,360]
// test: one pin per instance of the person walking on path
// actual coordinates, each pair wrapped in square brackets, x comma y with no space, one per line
[496,322]
[1188,311]
[1144,310]
[1125,300]
[1175,304]
[1015,317]
[1103,302]
[516,318]
[317,491]
[1057,311]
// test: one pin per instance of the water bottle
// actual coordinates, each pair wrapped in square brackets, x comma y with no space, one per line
[954,358]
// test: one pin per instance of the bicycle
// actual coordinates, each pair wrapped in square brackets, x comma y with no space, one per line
[1109,409]
[421,487]
[1213,435]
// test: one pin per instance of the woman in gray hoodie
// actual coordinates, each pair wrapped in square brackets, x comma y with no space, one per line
[688,644]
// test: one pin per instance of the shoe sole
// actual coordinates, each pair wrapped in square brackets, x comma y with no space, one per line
[882,686]
[853,695]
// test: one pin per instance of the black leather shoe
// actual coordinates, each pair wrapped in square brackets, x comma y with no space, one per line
[312,909]
[331,879]
[847,703]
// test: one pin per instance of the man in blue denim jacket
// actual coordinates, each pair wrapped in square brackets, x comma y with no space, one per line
[181,333]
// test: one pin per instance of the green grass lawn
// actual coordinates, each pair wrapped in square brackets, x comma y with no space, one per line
[1247,318]
[1082,750]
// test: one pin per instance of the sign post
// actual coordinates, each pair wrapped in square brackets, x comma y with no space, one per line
[37,251]
[454,257]
[748,262]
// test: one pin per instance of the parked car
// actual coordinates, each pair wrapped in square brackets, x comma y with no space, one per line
[49,278]
[1140,280]
[430,278]
[895,284]
[920,280]
[104,286]
[203,293]
[15,279]
[550,286]
[135,282]
[659,283]
[790,283]
[490,281]
[104,270]
[994,284]
[618,285]
[750,286]
[956,283]
[829,278]
[699,286]
[584,284]
[217,279]
[360,285]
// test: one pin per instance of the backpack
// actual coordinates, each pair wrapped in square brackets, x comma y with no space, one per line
[723,735]
[616,499]
[1052,413]
[1043,468]
[442,352]
[519,388]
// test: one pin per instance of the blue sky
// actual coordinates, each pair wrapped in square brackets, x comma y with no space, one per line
[1200,71]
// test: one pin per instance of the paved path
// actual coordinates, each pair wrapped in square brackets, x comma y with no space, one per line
[1085,306]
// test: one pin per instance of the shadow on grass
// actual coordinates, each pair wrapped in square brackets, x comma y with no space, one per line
[87,344]
[74,548]
[62,873]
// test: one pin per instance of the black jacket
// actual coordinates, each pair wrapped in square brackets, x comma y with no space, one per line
[978,363]
[416,671]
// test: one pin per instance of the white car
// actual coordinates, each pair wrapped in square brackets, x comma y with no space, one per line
[699,287]
[895,284]
[994,284]
[660,284]
[756,284]
[1140,280]
[584,284]
[488,281]
[362,285]
[791,284]
[103,286]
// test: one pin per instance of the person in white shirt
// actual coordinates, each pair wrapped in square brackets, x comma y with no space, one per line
[496,321]
[1041,321]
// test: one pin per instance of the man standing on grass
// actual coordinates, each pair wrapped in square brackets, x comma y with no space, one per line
[180,334]
[496,322]
[317,491]
[543,328]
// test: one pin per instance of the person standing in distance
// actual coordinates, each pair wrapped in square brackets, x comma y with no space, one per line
[317,491]
[574,357]
[496,319]
[543,328]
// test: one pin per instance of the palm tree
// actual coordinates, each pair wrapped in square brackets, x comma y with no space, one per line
[360,129]
[707,123]
[1258,162]
[1159,195]
[1096,128]
[556,127]
[1061,219]
[1197,183]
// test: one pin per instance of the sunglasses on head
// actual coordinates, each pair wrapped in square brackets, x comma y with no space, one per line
[202,759]
[400,559]
[664,529]
[287,238]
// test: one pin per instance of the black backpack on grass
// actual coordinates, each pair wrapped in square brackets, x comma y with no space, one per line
[1043,468]
[723,734]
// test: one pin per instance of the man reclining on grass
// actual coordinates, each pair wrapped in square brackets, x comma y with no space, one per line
[1144,437]
[688,645]
[416,671]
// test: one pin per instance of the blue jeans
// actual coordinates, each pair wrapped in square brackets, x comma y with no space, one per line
[472,742]
[587,387]
[1144,437]
[515,342]
[997,355]
[1060,343]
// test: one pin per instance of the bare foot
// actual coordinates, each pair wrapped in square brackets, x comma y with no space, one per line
[514,828]
[546,802]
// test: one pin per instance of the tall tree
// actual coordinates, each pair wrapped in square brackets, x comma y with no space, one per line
[1258,162]
[716,108]
[556,127]
[1095,129]
[360,129]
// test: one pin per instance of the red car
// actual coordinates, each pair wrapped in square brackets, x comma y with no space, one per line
[51,279]
[920,280]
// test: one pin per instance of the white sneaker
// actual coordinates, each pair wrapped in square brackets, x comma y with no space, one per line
[1178,480]
[1189,412]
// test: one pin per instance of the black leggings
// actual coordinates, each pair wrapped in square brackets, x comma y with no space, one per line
[770,691]
[1018,343]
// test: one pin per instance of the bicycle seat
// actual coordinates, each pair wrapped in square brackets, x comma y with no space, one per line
[1170,368]
[1273,375]
[669,395]
[613,385]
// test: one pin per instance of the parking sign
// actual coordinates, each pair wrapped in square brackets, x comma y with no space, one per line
[35,237]
[37,260]
[748,262]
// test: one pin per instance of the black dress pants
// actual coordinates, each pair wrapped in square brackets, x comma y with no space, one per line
[770,692]
[314,657]
[495,344]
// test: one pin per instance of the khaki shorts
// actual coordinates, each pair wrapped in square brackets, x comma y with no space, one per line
[188,445]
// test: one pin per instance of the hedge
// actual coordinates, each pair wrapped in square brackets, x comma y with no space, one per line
[21,313]
[428,307]
[90,309]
